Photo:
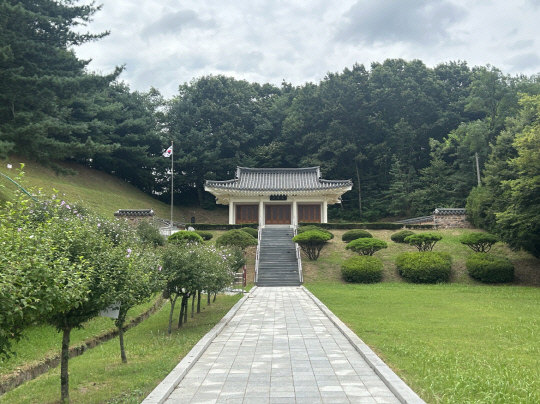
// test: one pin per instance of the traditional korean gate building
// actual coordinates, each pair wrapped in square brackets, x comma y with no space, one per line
[278,196]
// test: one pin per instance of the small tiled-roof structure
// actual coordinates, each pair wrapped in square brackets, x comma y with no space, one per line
[134,213]
[450,211]
[278,180]
[443,218]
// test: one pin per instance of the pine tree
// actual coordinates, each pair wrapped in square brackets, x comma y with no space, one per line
[46,94]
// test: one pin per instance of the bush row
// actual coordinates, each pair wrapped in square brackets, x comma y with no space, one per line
[371,226]
[424,266]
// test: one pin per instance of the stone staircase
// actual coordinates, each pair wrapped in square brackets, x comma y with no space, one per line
[278,265]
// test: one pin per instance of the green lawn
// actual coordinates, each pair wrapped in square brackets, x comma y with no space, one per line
[452,343]
[327,268]
[44,341]
[99,376]
[99,191]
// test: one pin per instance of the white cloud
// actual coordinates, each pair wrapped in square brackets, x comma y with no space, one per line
[167,43]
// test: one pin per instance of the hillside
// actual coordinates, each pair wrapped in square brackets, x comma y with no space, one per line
[101,192]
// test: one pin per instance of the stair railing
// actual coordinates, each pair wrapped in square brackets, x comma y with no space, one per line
[257,255]
[298,257]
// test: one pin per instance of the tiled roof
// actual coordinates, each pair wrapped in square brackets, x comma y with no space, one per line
[278,180]
[450,211]
[422,219]
[134,212]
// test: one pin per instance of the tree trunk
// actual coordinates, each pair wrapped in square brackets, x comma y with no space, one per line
[181,317]
[215,295]
[198,301]
[193,304]
[120,321]
[186,308]
[359,189]
[173,302]
[208,302]
[64,360]
[200,194]
[121,339]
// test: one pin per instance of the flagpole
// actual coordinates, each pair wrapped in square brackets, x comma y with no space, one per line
[172,182]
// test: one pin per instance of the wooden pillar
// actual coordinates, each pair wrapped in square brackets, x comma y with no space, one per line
[231,212]
[294,213]
[261,212]
[324,213]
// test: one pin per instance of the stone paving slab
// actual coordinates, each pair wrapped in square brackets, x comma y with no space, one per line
[282,346]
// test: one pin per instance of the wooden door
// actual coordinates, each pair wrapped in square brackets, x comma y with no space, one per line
[309,213]
[247,214]
[278,214]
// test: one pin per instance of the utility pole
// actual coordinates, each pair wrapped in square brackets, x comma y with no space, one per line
[478,169]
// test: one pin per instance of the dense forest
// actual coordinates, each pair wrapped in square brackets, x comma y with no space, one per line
[411,137]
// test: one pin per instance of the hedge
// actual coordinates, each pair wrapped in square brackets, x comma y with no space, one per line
[424,267]
[366,246]
[236,238]
[363,269]
[369,226]
[312,227]
[329,226]
[354,234]
[184,236]
[208,226]
[312,242]
[479,242]
[423,241]
[206,235]
[251,231]
[489,268]
[400,236]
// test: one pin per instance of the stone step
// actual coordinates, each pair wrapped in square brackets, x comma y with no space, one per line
[278,265]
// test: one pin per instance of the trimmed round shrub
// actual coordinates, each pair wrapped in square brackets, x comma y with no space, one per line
[363,269]
[236,238]
[355,234]
[479,242]
[400,236]
[185,236]
[312,227]
[366,246]
[206,235]
[150,234]
[489,268]
[251,231]
[423,241]
[312,242]
[424,267]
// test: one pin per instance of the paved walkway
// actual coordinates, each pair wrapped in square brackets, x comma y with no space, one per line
[280,347]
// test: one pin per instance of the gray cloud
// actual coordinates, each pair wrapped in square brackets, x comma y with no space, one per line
[242,62]
[165,43]
[175,22]
[526,62]
[522,44]
[535,3]
[413,21]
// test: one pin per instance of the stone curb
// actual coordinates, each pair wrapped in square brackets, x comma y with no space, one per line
[403,392]
[166,387]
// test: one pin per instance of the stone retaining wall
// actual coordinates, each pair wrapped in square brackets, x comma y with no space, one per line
[451,222]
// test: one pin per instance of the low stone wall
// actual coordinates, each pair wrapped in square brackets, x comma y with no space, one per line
[451,222]
[443,218]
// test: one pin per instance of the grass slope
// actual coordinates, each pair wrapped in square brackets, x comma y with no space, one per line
[451,343]
[100,191]
[462,342]
[99,376]
[327,268]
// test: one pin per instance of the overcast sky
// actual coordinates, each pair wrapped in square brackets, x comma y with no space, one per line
[165,43]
